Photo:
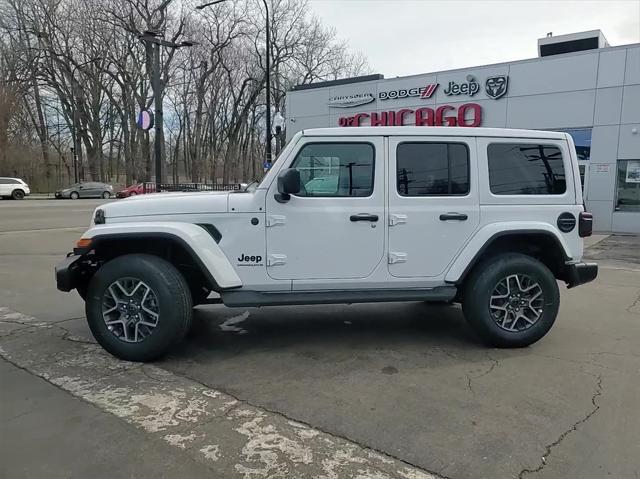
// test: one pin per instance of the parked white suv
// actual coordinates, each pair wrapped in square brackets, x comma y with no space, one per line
[13,188]
[488,217]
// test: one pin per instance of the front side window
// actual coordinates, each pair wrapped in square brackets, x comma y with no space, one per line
[628,191]
[432,169]
[336,169]
[526,169]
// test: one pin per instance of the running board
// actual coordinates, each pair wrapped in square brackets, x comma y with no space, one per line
[240,298]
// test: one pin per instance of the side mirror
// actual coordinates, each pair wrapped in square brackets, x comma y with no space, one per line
[288,184]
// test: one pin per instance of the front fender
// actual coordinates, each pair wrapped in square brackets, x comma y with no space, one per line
[485,235]
[194,238]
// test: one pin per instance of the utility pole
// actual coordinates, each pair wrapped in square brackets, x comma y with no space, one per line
[155,41]
[268,74]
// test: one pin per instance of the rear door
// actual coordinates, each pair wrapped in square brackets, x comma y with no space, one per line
[433,203]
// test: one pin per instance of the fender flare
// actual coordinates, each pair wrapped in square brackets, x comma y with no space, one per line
[474,249]
[196,240]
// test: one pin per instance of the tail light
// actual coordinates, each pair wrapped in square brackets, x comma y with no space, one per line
[585,224]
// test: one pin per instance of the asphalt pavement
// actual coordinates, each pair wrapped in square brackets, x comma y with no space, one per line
[406,388]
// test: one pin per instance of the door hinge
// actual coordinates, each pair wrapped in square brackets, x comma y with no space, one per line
[395,219]
[276,259]
[397,258]
[275,220]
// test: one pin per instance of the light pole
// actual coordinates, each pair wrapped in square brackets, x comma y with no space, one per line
[74,148]
[154,40]
[268,76]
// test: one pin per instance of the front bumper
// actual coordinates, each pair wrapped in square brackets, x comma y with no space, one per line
[67,273]
[581,273]
[62,194]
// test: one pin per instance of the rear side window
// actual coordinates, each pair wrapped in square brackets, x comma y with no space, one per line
[526,169]
[336,169]
[432,169]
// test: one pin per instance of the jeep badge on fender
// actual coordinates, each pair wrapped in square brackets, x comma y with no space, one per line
[250,259]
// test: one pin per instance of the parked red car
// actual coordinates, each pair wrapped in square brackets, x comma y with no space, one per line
[137,189]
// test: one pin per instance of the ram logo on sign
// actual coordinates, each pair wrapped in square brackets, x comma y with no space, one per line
[496,86]
[348,101]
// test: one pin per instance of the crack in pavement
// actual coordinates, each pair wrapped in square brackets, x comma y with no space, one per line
[470,378]
[633,305]
[572,428]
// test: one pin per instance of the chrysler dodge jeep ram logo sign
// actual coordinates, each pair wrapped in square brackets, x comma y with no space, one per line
[348,101]
[470,87]
[496,86]
[424,92]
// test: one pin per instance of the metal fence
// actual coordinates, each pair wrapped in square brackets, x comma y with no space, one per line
[151,187]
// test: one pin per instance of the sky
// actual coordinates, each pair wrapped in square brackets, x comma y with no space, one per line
[407,37]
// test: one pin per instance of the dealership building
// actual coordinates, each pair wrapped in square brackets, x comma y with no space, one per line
[578,84]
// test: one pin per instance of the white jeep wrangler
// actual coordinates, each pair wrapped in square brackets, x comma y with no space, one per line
[488,217]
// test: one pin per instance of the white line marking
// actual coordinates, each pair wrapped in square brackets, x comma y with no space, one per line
[44,230]
[229,324]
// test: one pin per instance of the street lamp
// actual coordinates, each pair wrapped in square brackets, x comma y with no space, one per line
[268,67]
[154,40]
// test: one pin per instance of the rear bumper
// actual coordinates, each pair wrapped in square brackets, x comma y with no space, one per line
[581,273]
[67,273]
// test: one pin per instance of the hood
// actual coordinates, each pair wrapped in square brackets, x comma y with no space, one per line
[168,204]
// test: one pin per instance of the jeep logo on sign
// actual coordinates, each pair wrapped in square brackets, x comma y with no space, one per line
[496,86]
[471,87]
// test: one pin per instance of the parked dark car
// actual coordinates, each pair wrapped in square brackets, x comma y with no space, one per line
[89,189]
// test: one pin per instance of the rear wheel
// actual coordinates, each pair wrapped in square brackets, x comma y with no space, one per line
[74,195]
[138,306]
[17,195]
[511,300]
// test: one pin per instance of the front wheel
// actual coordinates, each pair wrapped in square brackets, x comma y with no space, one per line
[138,306]
[74,195]
[106,195]
[511,300]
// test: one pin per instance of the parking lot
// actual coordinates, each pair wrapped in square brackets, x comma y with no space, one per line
[373,390]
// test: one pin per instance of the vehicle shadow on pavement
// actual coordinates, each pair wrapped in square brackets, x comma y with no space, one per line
[222,332]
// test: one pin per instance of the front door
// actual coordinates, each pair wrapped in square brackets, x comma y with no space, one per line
[334,227]
[433,203]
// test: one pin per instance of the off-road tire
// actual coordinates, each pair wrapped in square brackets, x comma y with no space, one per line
[480,285]
[174,306]
[17,195]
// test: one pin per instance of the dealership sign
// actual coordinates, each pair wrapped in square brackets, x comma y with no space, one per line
[470,87]
[424,92]
[348,101]
[468,114]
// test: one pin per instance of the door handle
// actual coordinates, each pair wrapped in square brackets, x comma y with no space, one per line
[363,217]
[453,216]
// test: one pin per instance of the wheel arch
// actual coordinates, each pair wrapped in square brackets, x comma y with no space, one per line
[189,247]
[540,243]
